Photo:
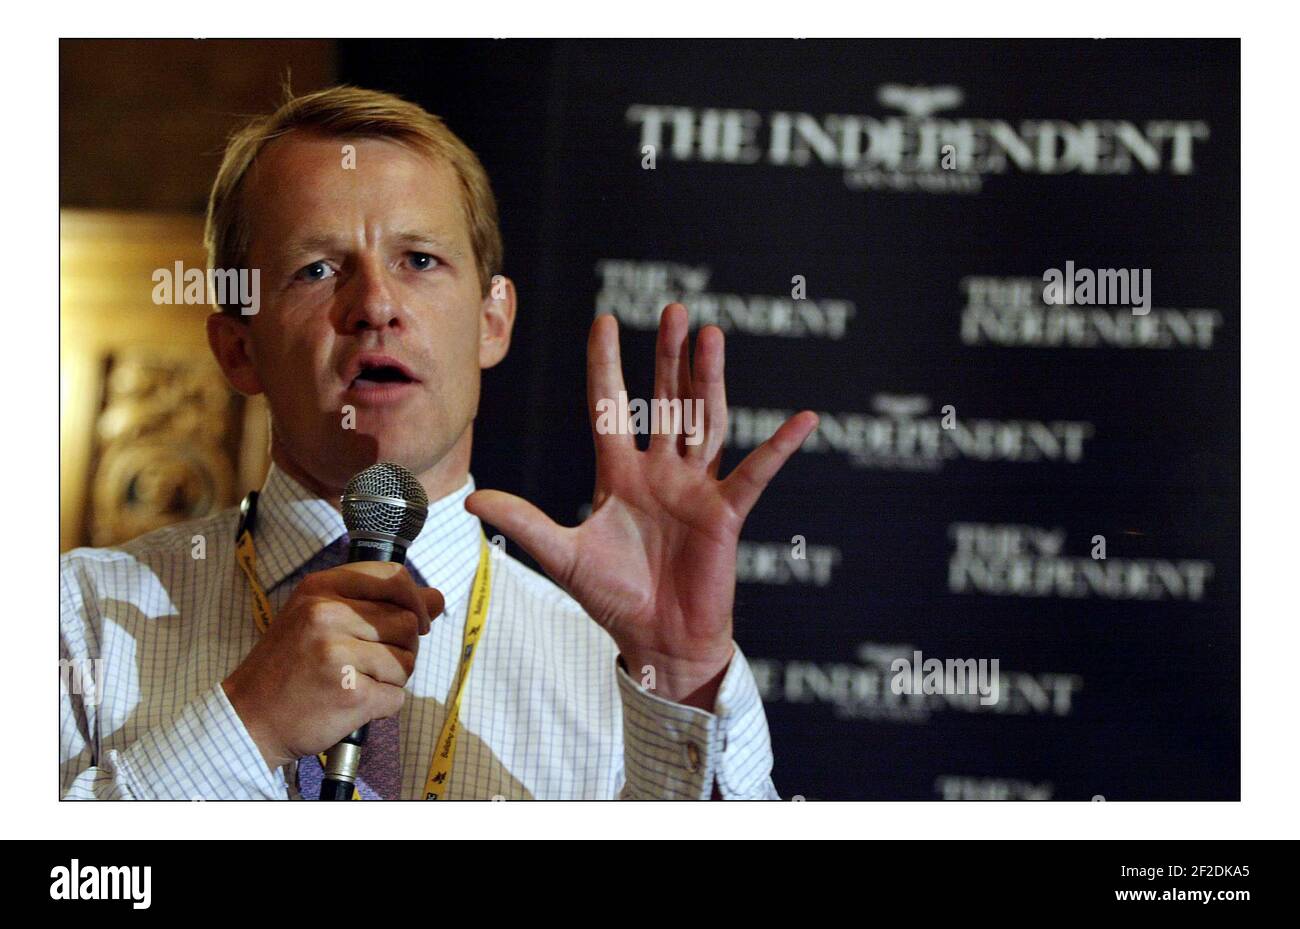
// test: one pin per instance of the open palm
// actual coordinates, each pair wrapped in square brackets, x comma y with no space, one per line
[655,562]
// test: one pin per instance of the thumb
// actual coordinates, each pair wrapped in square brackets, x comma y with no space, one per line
[549,544]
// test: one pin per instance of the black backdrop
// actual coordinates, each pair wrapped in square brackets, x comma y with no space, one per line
[822,159]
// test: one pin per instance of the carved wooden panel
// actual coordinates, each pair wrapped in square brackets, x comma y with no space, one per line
[149,431]
[166,439]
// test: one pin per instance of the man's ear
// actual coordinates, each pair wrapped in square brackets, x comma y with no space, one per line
[496,322]
[231,342]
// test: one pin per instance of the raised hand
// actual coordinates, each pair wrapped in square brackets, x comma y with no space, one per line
[655,562]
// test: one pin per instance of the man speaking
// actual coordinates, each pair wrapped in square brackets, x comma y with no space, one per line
[374,232]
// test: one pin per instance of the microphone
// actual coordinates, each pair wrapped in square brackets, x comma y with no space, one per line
[384,508]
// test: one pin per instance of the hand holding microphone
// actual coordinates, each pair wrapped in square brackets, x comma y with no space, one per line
[366,615]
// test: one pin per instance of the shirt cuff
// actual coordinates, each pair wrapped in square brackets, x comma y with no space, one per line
[205,753]
[677,752]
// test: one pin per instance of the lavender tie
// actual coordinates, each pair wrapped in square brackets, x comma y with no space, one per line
[380,774]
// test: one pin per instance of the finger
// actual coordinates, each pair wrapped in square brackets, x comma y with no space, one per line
[382,662]
[350,662]
[604,385]
[381,700]
[373,580]
[672,369]
[551,545]
[715,463]
[710,429]
[375,621]
[685,384]
[745,485]
[434,602]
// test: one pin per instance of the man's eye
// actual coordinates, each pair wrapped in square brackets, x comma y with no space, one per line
[316,271]
[422,261]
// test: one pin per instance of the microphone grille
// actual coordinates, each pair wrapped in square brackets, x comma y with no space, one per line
[386,499]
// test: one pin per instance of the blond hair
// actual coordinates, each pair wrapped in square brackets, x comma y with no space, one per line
[358,113]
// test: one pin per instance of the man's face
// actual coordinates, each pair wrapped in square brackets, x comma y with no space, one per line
[372,328]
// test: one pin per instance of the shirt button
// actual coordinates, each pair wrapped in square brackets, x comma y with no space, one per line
[692,757]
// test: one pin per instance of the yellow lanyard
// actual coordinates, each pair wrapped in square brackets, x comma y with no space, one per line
[438,780]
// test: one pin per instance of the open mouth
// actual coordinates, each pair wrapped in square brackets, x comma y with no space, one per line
[379,375]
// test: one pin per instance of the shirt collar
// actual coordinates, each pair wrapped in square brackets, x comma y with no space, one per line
[294,524]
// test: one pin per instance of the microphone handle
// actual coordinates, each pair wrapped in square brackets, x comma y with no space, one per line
[344,760]
[341,765]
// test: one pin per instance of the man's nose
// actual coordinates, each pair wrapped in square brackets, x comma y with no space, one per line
[373,303]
